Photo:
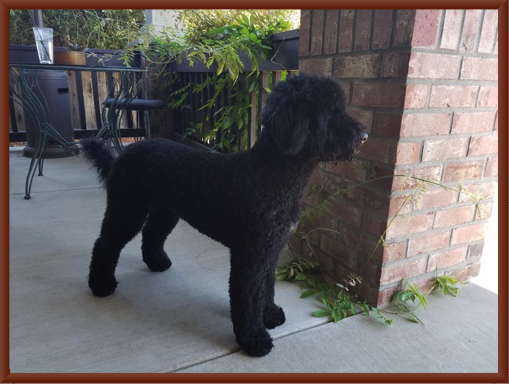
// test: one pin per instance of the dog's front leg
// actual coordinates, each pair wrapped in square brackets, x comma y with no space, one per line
[247,301]
[273,315]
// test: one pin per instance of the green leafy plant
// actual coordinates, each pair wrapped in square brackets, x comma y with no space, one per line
[214,38]
[93,28]
[338,301]
[411,292]
[446,285]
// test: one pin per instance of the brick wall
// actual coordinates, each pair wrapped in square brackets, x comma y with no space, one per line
[424,83]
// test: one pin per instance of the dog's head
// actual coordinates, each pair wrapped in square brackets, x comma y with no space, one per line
[306,115]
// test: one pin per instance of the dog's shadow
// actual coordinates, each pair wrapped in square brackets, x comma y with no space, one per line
[187,302]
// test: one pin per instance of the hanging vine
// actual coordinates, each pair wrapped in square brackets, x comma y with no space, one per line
[210,42]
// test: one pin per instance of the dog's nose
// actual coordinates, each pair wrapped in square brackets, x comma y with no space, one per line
[364,136]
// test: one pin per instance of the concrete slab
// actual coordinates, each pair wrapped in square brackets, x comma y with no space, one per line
[153,322]
[179,320]
[459,335]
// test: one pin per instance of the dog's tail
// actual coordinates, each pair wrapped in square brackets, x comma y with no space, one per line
[99,156]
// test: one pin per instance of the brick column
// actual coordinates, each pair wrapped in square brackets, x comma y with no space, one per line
[424,83]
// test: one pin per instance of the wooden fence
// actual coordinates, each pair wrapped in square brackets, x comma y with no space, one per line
[87,91]
[193,121]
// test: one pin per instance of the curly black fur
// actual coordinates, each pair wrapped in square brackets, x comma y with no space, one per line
[101,158]
[248,201]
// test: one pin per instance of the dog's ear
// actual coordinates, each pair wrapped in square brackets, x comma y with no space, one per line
[286,119]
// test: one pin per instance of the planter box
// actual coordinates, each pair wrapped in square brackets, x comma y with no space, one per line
[286,44]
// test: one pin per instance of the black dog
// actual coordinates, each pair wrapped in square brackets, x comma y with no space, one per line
[248,201]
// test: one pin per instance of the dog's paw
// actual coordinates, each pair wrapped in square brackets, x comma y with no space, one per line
[274,317]
[158,263]
[102,286]
[256,344]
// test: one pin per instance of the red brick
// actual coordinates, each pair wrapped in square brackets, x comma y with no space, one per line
[475,251]
[408,153]
[438,197]
[452,28]
[330,245]
[346,30]
[382,28]
[425,65]
[415,125]
[400,205]
[472,122]
[479,68]
[394,251]
[385,297]
[428,243]
[453,96]
[404,226]
[362,29]
[479,190]
[346,86]
[326,222]
[484,210]
[488,97]
[466,272]
[492,167]
[454,216]
[426,28]
[483,145]
[352,170]
[363,66]
[417,95]
[384,174]
[404,270]
[404,28]
[447,259]
[395,64]
[331,31]
[347,213]
[470,27]
[463,171]
[379,150]
[378,95]
[435,150]
[344,189]
[378,202]
[305,24]
[387,124]
[468,234]
[374,225]
[321,66]
[427,173]
[356,239]
[363,117]
[327,263]
[338,251]
[317,32]
[295,244]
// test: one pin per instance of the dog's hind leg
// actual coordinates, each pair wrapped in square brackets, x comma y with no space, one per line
[121,223]
[159,225]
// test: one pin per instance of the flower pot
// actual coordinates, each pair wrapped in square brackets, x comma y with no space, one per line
[70,58]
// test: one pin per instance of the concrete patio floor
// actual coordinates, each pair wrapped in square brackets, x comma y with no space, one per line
[178,321]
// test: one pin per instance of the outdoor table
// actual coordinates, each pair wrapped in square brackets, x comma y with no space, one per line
[23,80]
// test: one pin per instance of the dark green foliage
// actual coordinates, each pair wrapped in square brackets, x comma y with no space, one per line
[90,28]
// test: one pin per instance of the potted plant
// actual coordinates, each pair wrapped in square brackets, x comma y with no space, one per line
[74,54]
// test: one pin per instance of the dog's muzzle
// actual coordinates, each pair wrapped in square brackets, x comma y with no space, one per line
[364,137]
